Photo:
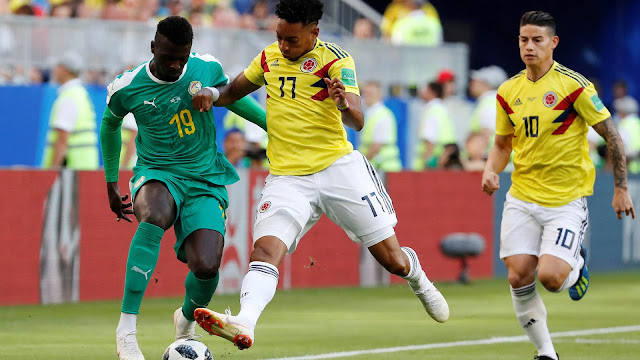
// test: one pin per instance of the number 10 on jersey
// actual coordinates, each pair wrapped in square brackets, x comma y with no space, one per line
[184,119]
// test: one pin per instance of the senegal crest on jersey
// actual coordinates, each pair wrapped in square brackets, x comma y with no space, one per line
[194,87]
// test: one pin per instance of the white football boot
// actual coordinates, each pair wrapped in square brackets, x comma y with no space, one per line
[185,329]
[432,300]
[127,347]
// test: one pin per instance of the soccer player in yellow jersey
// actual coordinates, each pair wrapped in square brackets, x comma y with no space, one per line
[311,92]
[543,114]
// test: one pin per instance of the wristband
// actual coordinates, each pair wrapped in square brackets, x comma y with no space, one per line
[343,108]
[216,93]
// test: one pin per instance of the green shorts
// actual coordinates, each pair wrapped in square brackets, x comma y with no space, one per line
[200,205]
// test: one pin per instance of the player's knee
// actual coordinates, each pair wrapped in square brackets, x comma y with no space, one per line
[518,279]
[205,267]
[552,281]
[155,217]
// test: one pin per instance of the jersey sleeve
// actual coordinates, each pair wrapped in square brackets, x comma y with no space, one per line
[218,77]
[345,70]
[255,71]
[590,107]
[115,99]
[504,126]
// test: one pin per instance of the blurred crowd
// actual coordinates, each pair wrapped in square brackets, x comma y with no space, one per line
[456,126]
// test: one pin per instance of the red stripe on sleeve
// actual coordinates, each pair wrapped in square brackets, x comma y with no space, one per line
[569,100]
[504,104]
[324,72]
[263,62]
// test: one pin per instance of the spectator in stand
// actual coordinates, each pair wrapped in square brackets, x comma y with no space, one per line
[225,17]
[629,129]
[436,128]
[458,108]
[235,149]
[113,11]
[72,140]
[398,9]
[379,136]
[416,28]
[475,152]
[176,8]
[619,93]
[484,87]
[61,9]
[364,29]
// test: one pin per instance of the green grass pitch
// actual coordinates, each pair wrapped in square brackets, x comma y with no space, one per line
[357,320]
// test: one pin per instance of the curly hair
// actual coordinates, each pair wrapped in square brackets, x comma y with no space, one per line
[539,18]
[304,11]
[177,29]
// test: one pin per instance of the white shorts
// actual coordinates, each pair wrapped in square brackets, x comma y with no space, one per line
[529,228]
[349,192]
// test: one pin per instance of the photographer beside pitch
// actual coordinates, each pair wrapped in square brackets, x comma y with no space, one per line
[543,114]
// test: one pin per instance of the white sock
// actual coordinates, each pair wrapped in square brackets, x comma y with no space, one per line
[532,316]
[127,324]
[573,276]
[417,278]
[258,289]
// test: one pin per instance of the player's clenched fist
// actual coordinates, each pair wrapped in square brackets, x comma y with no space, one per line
[203,100]
[490,182]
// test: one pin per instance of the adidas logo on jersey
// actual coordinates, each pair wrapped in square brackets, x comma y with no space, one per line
[275,63]
[529,323]
[517,102]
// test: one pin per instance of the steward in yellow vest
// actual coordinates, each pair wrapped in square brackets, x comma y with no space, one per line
[72,140]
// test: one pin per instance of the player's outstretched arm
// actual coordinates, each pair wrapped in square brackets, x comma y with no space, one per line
[348,104]
[622,202]
[497,161]
[223,95]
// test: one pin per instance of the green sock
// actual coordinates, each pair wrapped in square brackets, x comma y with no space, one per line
[142,260]
[198,293]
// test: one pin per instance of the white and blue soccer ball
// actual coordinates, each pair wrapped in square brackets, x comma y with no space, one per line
[187,349]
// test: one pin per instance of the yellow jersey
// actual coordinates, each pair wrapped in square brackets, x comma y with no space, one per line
[305,128]
[548,119]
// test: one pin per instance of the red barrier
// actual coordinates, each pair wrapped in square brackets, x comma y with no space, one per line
[24,194]
[430,205]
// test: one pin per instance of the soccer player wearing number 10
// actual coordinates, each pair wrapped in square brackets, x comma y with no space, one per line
[312,91]
[179,179]
[543,114]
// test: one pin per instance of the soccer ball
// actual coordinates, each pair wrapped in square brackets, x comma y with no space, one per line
[188,349]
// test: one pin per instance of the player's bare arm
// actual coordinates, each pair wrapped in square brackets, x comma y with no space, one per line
[117,202]
[497,161]
[615,149]
[347,103]
[240,87]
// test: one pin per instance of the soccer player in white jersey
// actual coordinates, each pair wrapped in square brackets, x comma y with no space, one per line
[312,92]
[543,114]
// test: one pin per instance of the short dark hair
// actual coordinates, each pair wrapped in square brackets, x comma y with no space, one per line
[176,29]
[539,18]
[304,11]
[436,87]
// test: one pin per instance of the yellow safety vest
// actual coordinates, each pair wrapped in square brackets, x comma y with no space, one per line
[388,158]
[82,151]
[446,135]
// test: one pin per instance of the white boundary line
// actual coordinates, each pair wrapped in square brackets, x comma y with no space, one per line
[489,341]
